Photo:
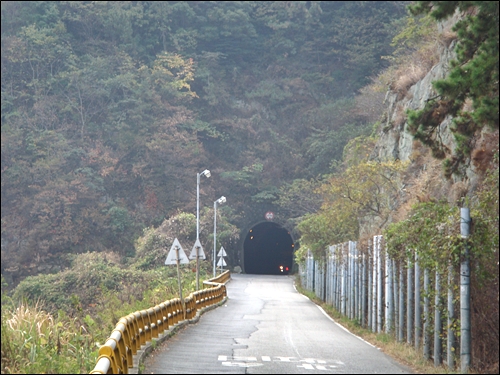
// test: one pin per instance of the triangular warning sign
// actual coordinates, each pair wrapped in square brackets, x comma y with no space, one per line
[201,253]
[221,262]
[172,254]
[222,252]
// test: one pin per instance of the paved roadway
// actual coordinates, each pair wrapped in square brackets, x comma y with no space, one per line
[267,327]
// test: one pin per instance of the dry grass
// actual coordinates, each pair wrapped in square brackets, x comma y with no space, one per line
[482,155]
[27,322]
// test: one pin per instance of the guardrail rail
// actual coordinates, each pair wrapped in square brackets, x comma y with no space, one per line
[140,327]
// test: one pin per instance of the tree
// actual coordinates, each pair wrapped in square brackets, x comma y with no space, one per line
[366,190]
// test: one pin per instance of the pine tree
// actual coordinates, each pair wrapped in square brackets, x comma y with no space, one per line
[473,78]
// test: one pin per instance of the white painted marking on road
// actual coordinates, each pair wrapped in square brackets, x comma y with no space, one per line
[345,329]
[307,366]
[241,358]
[241,364]
[288,338]
[305,363]
[285,359]
[308,360]
[329,317]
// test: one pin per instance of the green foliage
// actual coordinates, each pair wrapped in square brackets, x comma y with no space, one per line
[368,189]
[246,176]
[119,218]
[473,78]
[358,149]
[267,195]
[432,230]
[325,147]
[299,198]
[411,35]
[269,92]
[485,214]
[58,335]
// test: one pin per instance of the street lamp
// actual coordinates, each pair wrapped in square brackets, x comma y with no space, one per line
[220,200]
[205,173]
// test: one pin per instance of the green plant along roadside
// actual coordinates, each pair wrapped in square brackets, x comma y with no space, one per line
[432,231]
[72,312]
[62,331]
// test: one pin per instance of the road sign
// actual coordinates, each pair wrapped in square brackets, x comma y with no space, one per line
[222,252]
[201,253]
[176,251]
[269,215]
[221,262]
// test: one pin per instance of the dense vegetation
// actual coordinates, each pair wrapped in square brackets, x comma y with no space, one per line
[109,109]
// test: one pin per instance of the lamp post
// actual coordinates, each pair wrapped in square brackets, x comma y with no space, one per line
[205,173]
[220,200]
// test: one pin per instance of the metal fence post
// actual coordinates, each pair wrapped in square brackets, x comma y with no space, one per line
[437,323]
[401,304]
[379,286]
[369,272]
[409,303]
[388,293]
[343,283]
[374,285]
[427,347]
[418,317]
[465,316]
[395,298]
[450,339]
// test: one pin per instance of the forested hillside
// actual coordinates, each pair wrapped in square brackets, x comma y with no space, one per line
[109,109]
[346,119]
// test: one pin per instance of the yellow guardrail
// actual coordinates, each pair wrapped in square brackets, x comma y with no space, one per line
[136,329]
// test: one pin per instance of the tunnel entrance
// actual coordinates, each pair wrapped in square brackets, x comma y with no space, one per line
[266,248]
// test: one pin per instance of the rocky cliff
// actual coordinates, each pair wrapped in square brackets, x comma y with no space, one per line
[425,180]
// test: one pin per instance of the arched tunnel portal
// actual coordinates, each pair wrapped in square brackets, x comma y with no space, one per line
[266,247]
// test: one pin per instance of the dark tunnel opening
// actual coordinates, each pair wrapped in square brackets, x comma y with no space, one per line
[267,248]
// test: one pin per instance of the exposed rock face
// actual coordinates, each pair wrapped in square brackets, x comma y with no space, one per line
[395,142]
[425,179]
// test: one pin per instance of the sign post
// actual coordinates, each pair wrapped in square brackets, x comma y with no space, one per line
[176,255]
[197,253]
[222,262]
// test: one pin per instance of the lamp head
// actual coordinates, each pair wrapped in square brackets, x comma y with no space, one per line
[206,173]
[221,200]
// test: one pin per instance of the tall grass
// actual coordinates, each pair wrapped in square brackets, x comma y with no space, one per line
[61,337]
[34,341]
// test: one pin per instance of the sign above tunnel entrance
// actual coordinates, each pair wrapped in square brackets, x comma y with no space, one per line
[269,215]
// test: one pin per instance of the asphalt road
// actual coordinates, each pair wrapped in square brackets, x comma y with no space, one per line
[267,327]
